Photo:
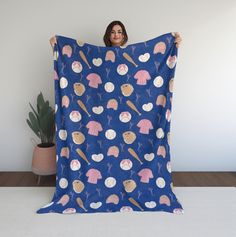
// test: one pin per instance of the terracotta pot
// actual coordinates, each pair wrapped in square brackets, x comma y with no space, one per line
[44,160]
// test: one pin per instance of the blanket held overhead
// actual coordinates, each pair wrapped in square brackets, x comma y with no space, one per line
[113,114]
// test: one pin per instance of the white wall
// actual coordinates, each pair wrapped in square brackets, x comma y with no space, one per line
[204,106]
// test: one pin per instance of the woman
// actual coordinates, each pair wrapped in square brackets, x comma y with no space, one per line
[116,35]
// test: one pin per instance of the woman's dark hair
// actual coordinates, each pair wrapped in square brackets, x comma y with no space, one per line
[106,37]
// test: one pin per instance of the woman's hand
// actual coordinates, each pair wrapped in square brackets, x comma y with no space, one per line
[53,41]
[178,39]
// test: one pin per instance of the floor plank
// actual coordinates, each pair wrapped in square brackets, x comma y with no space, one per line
[180,179]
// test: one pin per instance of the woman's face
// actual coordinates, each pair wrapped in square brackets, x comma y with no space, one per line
[116,36]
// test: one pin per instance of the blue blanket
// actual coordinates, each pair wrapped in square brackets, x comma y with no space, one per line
[113,114]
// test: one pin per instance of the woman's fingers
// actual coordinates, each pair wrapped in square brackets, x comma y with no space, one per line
[53,41]
[178,39]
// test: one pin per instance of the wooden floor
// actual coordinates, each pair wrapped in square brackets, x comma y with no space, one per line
[180,179]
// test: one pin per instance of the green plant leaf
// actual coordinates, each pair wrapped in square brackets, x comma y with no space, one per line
[33,129]
[40,101]
[36,114]
[44,109]
[34,121]
[43,122]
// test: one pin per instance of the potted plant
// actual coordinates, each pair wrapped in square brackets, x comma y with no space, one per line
[42,123]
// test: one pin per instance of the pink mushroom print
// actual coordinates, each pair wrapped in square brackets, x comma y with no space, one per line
[159,48]
[113,151]
[94,80]
[161,100]
[164,200]
[142,76]
[94,127]
[93,176]
[145,175]
[112,104]
[64,200]
[113,199]
[161,151]
[65,101]
[65,152]
[145,125]
[67,50]
[110,56]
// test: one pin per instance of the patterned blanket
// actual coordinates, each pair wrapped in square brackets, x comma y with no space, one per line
[113,114]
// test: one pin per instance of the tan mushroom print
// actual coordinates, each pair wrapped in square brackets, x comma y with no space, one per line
[113,113]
